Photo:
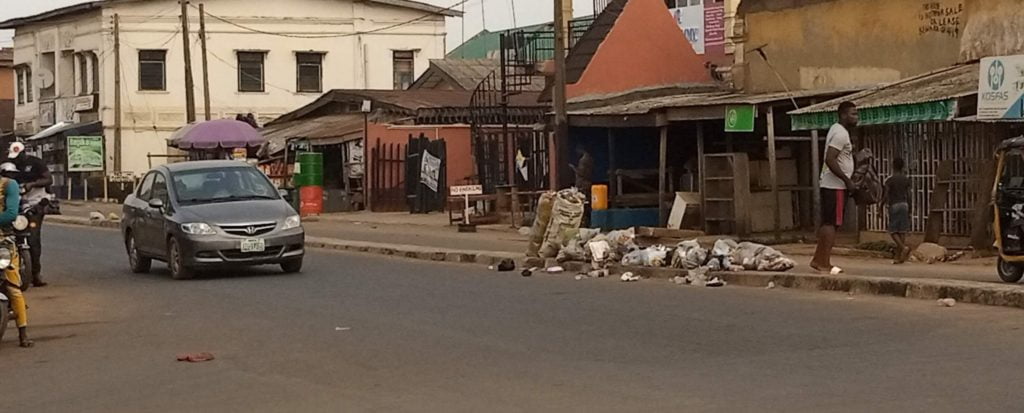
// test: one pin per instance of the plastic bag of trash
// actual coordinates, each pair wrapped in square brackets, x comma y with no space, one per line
[572,252]
[689,255]
[634,258]
[657,256]
[566,215]
[724,248]
[587,234]
[621,243]
[757,257]
[540,224]
[599,251]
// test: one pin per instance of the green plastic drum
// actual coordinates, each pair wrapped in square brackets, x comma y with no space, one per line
[311,169]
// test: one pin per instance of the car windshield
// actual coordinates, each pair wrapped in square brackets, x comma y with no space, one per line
[222,185]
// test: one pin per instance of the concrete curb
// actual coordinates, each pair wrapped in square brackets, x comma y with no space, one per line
[991,294]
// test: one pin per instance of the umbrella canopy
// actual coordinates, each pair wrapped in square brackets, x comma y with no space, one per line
[213,134]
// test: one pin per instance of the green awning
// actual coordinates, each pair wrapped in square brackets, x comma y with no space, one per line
[944,110]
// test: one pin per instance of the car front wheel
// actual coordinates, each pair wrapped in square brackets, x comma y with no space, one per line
[139,264]
[176,261]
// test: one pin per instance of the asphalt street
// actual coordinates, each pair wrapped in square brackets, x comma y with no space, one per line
[369,333]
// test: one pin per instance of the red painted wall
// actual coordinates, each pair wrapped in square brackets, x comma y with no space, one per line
[457,140]
[645,49]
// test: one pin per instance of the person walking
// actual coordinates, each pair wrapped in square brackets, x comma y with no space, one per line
[836,186]
[896,196]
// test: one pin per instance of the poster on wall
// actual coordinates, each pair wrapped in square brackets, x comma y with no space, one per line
[47,114]
[85,153]
[1001,87]
[689,15]
[714,28]
[430,170]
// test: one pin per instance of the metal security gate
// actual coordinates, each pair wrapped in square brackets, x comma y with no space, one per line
[426,181]
[923,147]
[387,177]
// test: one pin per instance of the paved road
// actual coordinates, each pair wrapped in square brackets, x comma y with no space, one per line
[364,333]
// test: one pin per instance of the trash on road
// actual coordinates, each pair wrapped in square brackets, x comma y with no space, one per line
[195,357]
[715,282]
[342,328]
[771,285]
[507,265]
[566,215]
[947,302]
[629,277]
[555,270]
[526,273]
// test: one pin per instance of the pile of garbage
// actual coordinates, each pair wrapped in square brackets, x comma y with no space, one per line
[621,247]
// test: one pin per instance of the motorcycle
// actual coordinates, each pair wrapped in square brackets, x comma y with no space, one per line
[22,234]
[7,251]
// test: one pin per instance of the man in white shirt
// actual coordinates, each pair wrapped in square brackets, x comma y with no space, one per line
[836,185]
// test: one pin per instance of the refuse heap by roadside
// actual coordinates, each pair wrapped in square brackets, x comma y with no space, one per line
[556,233]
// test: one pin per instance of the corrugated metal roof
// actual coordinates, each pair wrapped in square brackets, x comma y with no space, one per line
[700,98]
[402,101]
[468,73]
[944,84]
[318,128]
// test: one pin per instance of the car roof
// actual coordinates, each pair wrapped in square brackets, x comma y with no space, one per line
[201,165]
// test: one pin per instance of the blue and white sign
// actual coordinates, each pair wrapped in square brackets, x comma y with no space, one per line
[689,15]
[1001,88]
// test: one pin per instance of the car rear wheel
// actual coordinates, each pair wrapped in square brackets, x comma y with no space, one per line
[1008,271]
[292,266]
[139,264]
[176,262]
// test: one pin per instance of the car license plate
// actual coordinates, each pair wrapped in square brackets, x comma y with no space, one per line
[254,245]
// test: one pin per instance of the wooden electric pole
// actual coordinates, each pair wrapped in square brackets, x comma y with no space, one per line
[190,99]
[558,94]
[117,93]
[206,74]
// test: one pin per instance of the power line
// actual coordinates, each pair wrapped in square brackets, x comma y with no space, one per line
[248,75]
[512,5]
[329,36]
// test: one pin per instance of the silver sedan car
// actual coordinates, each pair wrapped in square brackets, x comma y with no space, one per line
[195,215]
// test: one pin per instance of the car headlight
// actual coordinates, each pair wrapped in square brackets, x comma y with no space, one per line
[292,222]
[197,228]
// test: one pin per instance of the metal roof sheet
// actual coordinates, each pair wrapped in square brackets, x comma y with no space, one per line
[943,84]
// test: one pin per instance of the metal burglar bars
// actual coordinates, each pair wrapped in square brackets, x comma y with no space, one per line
[507,147]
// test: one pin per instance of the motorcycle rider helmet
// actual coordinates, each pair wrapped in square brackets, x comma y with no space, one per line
[8,170]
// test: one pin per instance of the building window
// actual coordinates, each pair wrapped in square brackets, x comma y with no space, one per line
[95,63]
[152,70]
[309,69]
[28,84]
[83,73]
[250,71]
[20,83]
[403,68]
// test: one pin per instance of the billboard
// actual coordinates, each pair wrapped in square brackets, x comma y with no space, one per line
[1001,87]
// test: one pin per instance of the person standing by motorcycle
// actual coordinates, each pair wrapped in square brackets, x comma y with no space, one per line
[35,180]
[11,196]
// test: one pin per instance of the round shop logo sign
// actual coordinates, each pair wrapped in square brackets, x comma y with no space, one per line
[733,118]
[996,75]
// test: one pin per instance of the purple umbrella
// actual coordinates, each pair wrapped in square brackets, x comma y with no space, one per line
[213,134]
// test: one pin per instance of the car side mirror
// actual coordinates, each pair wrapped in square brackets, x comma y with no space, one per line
[156,203]
[284,194]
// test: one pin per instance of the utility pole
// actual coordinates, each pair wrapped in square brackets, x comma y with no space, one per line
[117,94]
[558,95]
[206,74]
[190,99]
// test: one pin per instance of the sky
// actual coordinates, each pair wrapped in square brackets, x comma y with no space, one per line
[498,14]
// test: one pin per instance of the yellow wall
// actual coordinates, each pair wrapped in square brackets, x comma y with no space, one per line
[847,43]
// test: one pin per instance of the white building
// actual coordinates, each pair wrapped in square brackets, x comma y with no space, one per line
[266,57]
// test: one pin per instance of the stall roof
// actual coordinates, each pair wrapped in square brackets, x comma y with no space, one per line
[325,130]
[66,128]
[932,96]
[466,73]
[702,98]
[402,101]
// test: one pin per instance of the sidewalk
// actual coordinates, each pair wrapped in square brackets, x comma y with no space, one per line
[428,237]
